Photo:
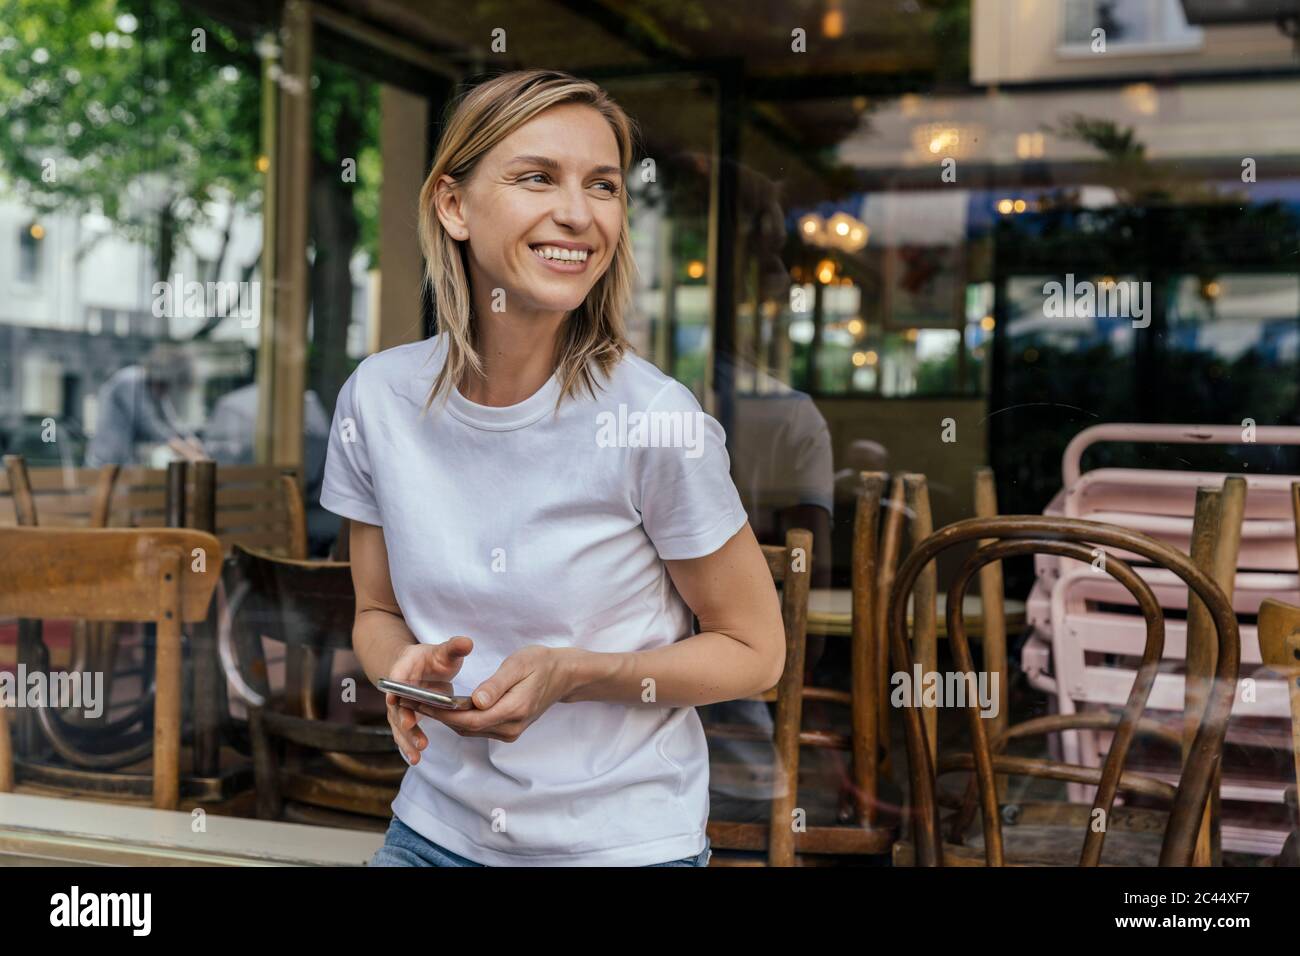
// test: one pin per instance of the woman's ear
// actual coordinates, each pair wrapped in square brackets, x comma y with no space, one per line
[449,204]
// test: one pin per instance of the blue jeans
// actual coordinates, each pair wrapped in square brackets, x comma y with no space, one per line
[404,847]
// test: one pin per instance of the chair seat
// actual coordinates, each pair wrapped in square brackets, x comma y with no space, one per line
[319,783]
[1051,834]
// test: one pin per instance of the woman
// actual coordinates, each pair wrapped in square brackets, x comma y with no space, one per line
[536,513]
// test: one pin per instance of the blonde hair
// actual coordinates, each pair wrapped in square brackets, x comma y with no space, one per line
[594,332]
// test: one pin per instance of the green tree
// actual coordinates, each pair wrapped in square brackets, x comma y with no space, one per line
[149,113]
[108,106]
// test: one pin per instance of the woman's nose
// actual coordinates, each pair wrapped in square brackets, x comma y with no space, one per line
[572,209]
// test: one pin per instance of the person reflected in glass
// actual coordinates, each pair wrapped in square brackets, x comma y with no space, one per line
[136,418]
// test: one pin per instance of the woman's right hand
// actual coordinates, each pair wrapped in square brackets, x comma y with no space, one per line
[416,663]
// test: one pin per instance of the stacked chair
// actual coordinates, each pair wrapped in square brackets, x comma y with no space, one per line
[1088,631]
[1182,829]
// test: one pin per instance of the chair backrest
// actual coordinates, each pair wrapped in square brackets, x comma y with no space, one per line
[791,568]
[107,574]
[790,565]
[310,607]
[1077,539]
[257,506]
[140,498]
[1097,615]
[1167,434]
[1279,645]
[876,547]
[307,604]
[55,497]
[260,507]
[1161,503]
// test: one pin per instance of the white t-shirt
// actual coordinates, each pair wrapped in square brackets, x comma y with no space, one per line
[522,525]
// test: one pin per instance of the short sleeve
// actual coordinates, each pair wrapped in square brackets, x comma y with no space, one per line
[689,504]
[348,488]
[814,474]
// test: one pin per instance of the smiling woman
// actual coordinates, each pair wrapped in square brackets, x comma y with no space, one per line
[562,606]
[553,181]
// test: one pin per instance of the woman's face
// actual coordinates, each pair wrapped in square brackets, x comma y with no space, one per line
[542,211]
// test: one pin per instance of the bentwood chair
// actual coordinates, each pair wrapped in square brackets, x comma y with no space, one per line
[164,576]
[875,564]
[1086,630]
[1040,834]
[307,767]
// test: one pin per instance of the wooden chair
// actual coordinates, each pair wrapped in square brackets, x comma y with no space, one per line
[254,505]
[790,570]
[62,498]
[801,832]
[258,506]
[875,556]
[1042,831]
[876,547]
[115,575]
[307,605]
[140,499]
[1279,643]
[73,497]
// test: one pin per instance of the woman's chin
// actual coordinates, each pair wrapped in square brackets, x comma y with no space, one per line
[553,302]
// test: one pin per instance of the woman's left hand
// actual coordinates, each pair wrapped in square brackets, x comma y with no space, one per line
[524,686]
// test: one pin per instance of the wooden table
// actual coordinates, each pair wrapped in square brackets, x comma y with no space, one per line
[830,612]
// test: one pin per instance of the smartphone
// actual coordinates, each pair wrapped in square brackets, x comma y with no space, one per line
[434,693]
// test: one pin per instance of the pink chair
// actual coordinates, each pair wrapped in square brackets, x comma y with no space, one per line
[1078,615]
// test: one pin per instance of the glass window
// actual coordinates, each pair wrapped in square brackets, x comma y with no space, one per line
[1149,24]
[130,183]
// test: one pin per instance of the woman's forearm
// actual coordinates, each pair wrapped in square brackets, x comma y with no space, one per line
[702,669]
[378,637]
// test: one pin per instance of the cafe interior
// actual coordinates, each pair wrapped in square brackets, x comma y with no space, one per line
[998,304]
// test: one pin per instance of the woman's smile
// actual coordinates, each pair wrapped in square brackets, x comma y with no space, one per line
[568,257]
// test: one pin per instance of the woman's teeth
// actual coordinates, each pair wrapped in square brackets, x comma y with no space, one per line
[564,255]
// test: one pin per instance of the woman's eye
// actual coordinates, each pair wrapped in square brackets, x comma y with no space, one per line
[535,178]
[607,186]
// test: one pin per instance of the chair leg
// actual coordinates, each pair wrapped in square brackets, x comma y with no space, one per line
[168,681]
[6,754]
[266,777]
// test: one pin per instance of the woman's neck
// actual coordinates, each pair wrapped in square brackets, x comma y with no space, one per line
[518,356]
